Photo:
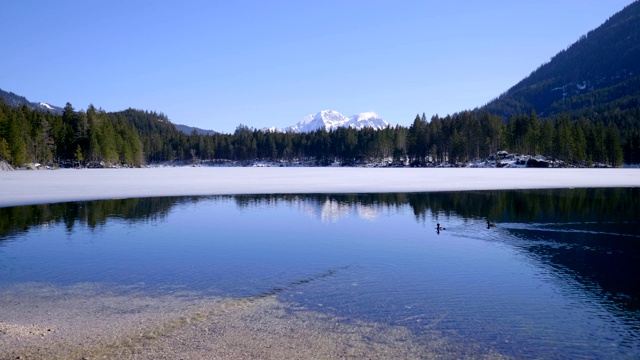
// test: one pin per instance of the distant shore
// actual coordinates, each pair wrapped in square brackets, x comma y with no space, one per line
[45,186]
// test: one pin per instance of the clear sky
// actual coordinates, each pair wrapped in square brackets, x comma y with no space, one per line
[218,64]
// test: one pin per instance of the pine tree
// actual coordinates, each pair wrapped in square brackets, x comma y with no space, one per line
[78,155]
[547,135]
[579,143]
[614,147]
[533,133]
[17,143]
[94,153]
[5,154]
[418,141]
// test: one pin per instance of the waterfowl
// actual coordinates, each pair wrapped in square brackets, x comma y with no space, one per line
[490,224]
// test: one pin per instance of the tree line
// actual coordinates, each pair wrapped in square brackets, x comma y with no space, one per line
[33,136]
[135,137]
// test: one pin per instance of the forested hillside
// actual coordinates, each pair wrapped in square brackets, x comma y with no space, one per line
[134,137]
[598,77]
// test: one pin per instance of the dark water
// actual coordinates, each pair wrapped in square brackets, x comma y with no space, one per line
[557,277]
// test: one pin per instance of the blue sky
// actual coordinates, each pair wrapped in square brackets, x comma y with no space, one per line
[218,64]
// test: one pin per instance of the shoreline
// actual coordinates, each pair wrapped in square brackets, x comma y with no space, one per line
[86,320]
[52,186]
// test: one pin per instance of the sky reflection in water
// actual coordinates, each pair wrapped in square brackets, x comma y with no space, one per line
[554,278]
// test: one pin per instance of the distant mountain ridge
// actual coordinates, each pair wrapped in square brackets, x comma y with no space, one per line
[600,71]
[332,120]
[328,119]
[15,100]
[189,129]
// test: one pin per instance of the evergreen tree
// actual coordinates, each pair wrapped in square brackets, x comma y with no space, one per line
[94,153]
[579,143]
[533,133]
[78,155]
[5,154]
[614,147]
[564,144]
[547,136]
[418,141]
[17,143]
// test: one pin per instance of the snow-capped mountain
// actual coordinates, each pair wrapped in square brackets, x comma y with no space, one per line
[367,119]
[331,120]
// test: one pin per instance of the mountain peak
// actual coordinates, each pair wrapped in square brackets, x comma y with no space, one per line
[332,120]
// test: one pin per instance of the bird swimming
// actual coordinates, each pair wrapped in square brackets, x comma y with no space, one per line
[490,224]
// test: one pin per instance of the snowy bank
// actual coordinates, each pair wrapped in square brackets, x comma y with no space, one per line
[37,187]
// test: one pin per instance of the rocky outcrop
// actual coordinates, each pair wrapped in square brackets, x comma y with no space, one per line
[4,166]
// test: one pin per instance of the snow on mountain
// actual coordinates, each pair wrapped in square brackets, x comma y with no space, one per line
[328,119]
[16,101]
[331,120]
[367,119]
[46,106]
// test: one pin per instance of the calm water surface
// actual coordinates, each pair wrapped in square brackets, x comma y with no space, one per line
[557,277]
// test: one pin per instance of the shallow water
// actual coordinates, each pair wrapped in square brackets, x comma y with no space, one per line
[555,278]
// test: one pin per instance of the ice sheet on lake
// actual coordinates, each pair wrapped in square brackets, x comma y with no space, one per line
[34,187]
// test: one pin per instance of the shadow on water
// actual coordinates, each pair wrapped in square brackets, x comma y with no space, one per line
[603,262]
[592,235]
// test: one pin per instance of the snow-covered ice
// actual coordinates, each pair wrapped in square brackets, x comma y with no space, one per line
[37,187]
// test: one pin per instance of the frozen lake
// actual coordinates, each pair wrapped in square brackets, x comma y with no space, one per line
[556,277]
[39,187]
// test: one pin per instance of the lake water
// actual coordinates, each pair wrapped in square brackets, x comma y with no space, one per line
[557,277]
